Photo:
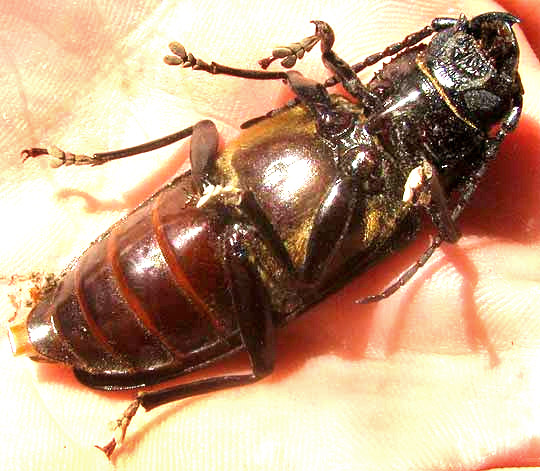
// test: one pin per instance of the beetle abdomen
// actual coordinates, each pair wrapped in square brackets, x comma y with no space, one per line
[149,295]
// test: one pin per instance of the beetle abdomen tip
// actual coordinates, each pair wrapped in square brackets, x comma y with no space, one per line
[19,341]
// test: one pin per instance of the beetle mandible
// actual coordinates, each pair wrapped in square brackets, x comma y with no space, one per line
[306,197]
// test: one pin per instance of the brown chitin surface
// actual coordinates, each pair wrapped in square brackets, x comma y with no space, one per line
[289,169]
[152,295]
[148,295]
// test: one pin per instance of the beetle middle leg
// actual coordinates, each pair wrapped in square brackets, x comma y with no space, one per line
[59,157]
[204,139]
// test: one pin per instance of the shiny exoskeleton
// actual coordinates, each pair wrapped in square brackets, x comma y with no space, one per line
[306,197]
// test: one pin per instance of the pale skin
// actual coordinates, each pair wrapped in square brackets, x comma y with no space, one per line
[443,375]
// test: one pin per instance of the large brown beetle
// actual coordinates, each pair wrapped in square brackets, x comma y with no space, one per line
[304,199]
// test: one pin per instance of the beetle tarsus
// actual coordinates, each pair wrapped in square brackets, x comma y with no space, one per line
[108,449]
[391,50]
[119,427]
[58,157]
[186,60]
[32,152]
[405,276]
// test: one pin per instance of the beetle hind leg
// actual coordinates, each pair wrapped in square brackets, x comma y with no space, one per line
[254,317]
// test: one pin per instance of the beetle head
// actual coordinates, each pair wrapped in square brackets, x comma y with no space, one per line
[475,63]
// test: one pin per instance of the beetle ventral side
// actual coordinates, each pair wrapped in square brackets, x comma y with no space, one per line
[306,197]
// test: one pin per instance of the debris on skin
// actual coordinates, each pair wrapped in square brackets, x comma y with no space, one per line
[414,181]
[213,191]
[28,290]
[415,184]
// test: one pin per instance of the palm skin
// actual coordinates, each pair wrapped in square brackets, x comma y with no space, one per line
[443,375]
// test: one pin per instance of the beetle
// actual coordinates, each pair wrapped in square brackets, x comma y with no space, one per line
[306,197]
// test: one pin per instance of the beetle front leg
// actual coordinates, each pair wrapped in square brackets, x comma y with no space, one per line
[442,217]
[417,189]
[345,74]
[423,188]
[341,69]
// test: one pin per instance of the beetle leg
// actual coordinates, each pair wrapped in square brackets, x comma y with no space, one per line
[405,276]
[254,316]
[340,68]
[423,188]
[324,34]
[466,192]
[439,212]
[438,24]
[204,143]
[442,217]
[465,195]
[203,153]
[330,226]
[309,91]
[58,157]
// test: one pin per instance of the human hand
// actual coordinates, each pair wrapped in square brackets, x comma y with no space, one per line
[443,375]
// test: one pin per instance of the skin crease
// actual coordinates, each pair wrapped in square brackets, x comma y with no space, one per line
[443,375]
